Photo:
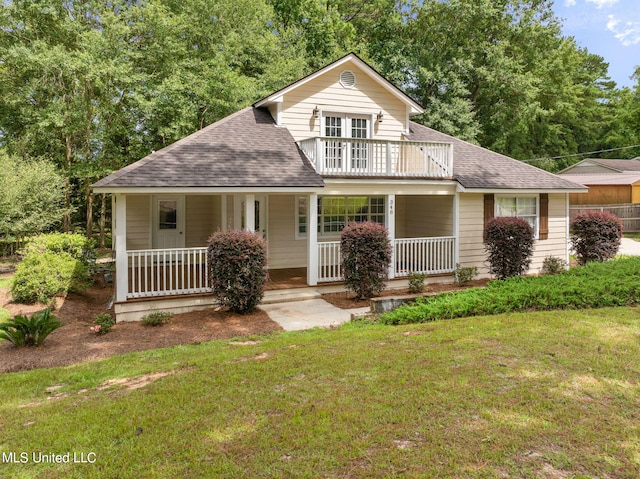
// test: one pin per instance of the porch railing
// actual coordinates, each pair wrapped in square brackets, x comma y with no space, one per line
[424,255]
[435,255]
[367,157]
[166,272]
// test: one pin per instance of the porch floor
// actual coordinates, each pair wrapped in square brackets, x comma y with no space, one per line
[286,278]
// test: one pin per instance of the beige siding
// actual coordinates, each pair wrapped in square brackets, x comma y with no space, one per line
[472,223]
[401,217]
[426,216]
[199,220]
[285,251]
[138,222]
[367,98]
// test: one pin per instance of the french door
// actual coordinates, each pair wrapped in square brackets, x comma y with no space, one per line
[346,154]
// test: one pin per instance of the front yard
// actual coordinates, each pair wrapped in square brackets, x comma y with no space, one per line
[528,395]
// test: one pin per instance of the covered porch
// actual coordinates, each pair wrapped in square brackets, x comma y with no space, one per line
[302,233]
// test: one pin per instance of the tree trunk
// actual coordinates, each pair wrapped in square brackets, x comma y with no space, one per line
[89,211]
[66,220]
[103,213]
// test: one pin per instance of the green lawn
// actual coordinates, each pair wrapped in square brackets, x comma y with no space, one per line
[528,395]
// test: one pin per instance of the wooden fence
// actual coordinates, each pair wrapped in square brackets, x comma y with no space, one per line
[629,214]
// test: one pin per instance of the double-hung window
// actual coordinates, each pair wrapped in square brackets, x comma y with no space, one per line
[521,206]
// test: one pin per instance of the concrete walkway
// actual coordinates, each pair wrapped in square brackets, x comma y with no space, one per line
[629,247]
[312,313]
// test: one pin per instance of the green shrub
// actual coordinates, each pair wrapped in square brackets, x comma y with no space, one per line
[75,245]
[366,256]
[416,282]
[41,276]
[596,285]
[595,236]
[102,323]
[509,243]
[157,318]
[32,331]
[463,275]
[237,275]
[553,265]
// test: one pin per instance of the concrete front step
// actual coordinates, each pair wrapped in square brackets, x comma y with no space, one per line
[290,295]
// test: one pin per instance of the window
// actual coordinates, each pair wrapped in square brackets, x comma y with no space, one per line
[167,213]
[335,212]
[302,213]
[525,207]
[346,154]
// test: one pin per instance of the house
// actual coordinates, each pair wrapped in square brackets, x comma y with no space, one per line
[335,146]
[610,182]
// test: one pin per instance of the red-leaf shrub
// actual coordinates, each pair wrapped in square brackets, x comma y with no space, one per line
[509,242]
[236,269]
[595,236]
[366,256]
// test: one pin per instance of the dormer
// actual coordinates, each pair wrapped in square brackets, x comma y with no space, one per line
[345,94]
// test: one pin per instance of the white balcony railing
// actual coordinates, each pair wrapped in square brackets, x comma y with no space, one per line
[167,272]
[365,157]
[434,255]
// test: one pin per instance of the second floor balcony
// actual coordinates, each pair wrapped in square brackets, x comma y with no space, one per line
[383,158]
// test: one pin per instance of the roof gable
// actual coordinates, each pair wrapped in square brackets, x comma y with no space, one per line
[344,62]
[597,165]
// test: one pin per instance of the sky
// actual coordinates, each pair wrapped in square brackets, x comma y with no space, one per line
[609,28]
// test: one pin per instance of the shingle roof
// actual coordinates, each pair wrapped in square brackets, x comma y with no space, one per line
[243,149]
[620,165]
[477,167]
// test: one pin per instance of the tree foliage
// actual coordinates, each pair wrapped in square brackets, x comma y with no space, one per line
[31,198]
[92,86]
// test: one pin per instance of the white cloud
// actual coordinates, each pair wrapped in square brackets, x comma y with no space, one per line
[628,33]
[612,23]
[601,3]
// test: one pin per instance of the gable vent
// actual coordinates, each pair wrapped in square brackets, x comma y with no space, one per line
[347,79]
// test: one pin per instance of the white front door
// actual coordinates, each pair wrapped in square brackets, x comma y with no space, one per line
[261,206]
[168,221]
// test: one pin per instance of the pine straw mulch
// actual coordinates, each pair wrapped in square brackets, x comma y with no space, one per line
[74,343]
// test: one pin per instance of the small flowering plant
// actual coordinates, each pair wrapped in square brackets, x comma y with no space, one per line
[102,324]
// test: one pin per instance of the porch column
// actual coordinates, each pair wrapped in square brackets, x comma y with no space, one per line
[390,221]
[250,212]
[456,229]
[122,262]
[312,240]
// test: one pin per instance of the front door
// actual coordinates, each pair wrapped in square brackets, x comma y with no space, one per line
[168,222]
[348,154]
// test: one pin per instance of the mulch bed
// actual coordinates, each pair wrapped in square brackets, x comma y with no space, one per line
[74,343]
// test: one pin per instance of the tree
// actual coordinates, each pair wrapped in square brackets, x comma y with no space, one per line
[31,198]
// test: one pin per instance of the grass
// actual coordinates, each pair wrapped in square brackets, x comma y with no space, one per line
[546,394]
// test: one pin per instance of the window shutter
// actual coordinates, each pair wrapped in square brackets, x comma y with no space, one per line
[488,212]
[544,216]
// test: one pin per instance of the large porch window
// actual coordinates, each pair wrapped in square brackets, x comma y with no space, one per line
[335,212]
